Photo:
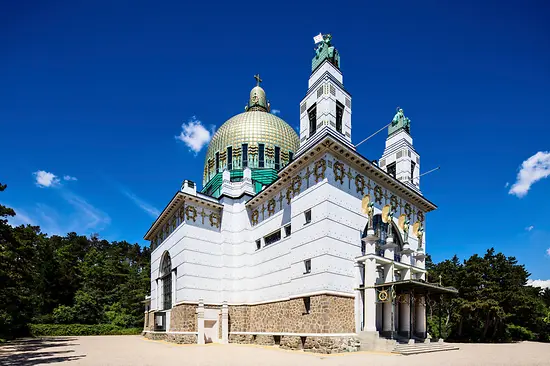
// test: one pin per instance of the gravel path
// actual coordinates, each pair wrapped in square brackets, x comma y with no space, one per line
[135,351]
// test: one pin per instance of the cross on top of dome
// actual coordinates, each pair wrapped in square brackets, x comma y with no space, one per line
[258,80]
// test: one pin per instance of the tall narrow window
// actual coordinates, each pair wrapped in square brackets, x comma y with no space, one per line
[339,116]
[307,305]
[312,115]
[392,170]
[307,265]
[166,273]
[229,158]
[413,165]
[217,162]
[307,216]
[261,147]
[245,155]
[277,158]
[290,156]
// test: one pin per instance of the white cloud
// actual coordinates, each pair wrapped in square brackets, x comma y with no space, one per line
[276,111]
[87,216]
[83,218]
[507,184]
[20,218]
[532,170]
[529,228]
[68,177]
[45,179]
[548,252]
[152,211]
[539,283]
[194,135]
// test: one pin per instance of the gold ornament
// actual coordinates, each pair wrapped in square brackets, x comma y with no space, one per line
[378,194]
[296,184]
[214,219]
[191,213]
[338,170]
[394,203]
[320,168]
[407,209]
[255,215]
[420,216]
[360,183]
[383,295]
[271,207]
[288,195]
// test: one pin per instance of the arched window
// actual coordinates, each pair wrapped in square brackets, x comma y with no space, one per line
[166,278]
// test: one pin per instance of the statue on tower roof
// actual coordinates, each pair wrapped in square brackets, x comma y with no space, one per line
[399,121]
[324,50]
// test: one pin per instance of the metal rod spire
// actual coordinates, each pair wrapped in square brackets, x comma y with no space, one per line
[373,134]
[428,172]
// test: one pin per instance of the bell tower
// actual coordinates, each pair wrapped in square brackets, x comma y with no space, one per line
[400,159]
[327,105]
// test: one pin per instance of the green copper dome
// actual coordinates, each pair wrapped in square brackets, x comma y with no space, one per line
[256,139]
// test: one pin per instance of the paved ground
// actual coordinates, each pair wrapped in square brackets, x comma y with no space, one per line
[135,351]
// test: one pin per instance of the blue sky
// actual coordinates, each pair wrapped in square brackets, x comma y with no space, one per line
[96,93]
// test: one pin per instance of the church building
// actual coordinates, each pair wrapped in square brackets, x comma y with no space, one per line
[295,239]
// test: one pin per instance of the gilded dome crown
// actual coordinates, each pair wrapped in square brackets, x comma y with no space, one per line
[255,138]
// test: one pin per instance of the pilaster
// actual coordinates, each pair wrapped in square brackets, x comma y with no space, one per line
[225,323]
[200,320]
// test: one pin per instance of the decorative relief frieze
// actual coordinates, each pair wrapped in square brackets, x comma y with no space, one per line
[191,213]
[339,172]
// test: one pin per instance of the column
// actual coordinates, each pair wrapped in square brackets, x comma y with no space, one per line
[389,248]
[225,323]
[370,242]
[200,320]
[421,316]
[357,304]
[370,295]
[405,312]
[388,313]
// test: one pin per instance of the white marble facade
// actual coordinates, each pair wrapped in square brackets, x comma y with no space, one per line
[213,243]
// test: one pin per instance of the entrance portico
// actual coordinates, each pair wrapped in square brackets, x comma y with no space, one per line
[394,288]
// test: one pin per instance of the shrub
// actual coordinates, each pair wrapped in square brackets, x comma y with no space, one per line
[519,333]
[41,330]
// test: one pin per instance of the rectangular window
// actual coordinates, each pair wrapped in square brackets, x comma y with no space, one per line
[229,158]
[217,162]
[413,165]
[261,147]
[312,115]
[277,158]
[245,155]
[288,230]
[307,264]
[307,215]
[258,244]
[272,238]
[307,305]
[339,116]
[290,156]
[391,170]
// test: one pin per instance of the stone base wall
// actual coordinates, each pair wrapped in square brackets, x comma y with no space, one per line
[309,344]
[149,321]
[183,318]
[174,338]
[327,314]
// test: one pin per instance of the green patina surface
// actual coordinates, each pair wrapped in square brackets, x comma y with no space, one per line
[399,122]
[260,178]
[325,51]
